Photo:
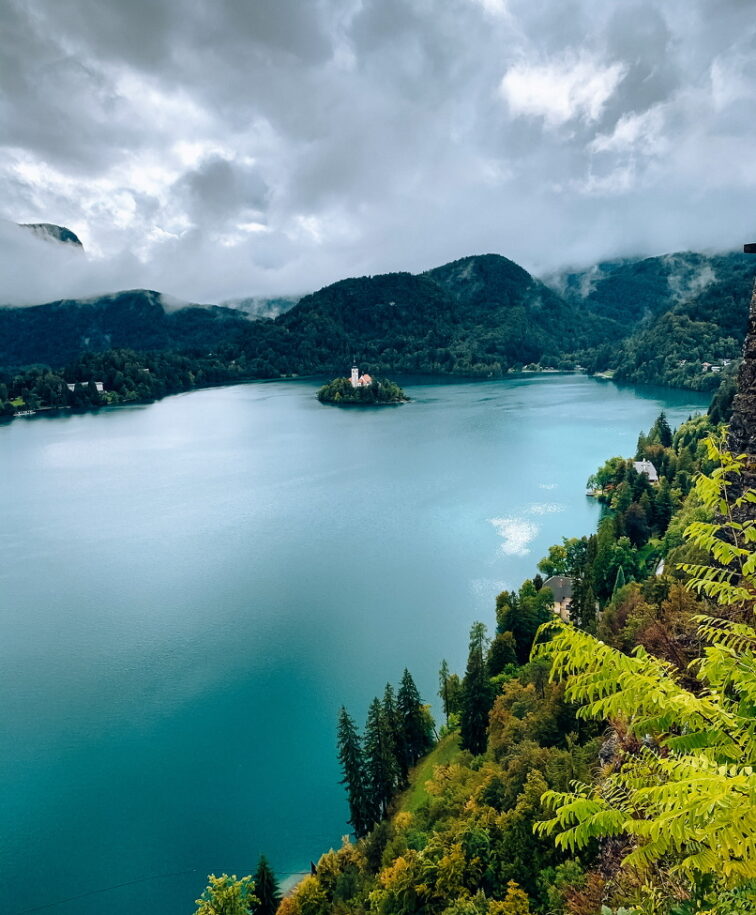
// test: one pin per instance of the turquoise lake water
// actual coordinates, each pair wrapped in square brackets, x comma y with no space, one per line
[189,591]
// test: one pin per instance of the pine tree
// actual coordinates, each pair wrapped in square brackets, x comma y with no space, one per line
[396,731]
[583,604]
[443,688]
[353,765]
[477,695]
[662,430]
[380,765]
[663,507]
[415,722]
[501,654]
[266,890]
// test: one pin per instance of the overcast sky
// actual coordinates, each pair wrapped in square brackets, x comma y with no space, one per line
[220,148]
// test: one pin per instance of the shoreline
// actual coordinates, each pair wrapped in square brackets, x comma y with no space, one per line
[56,412]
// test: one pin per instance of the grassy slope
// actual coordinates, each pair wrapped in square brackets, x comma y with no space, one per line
[445,751]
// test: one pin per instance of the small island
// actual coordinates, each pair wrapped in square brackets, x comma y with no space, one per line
[361,390]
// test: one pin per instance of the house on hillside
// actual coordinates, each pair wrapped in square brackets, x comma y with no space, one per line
[561,587]
[360,381]
[648,468]
[83,384]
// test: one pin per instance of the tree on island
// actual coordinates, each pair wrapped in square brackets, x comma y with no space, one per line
[341,391]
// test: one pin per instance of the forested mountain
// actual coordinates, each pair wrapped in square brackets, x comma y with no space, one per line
[677,311]
[479,315]
[707,327]
[59,332]
[673,320]
[632,289]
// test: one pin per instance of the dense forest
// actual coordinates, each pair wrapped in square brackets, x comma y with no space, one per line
[676,320]
[599,767]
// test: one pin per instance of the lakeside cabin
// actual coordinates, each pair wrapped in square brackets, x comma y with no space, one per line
[83,384]
[561,587]
[648,468]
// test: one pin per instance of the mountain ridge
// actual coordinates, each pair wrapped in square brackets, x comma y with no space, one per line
[656,319]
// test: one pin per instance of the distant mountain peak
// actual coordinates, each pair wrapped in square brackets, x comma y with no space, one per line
[50,232]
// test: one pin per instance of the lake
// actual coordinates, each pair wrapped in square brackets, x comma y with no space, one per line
[190,590]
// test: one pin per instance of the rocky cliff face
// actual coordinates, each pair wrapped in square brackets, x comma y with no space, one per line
[743,422]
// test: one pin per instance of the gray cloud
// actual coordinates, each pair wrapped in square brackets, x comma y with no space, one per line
[217,150]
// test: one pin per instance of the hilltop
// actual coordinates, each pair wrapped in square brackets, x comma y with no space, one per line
[674,320]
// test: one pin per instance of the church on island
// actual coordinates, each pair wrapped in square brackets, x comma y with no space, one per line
[360,381]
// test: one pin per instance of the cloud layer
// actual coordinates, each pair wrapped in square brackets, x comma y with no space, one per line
[228,148]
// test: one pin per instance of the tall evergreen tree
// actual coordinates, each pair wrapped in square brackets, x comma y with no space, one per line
[353,765]
[501,654]
[477,695]
[663,506]
[663,432]
[398,740]
[443,688]
[415,722]
[380,765]
[266,890]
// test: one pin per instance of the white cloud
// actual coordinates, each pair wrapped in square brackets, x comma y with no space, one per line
[638,133]
[225,150]
[575,85]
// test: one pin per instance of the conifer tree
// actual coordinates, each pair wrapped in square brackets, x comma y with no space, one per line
[663,507]
[477,695]
[443,688]
[398,738]
[380,765]
[417,734]
[353,765]
[583,605]
[501,654]
[662,430]
[266,890]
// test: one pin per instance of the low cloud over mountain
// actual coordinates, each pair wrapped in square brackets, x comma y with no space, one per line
[229,149]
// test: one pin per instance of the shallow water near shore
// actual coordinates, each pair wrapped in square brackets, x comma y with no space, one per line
[189,591]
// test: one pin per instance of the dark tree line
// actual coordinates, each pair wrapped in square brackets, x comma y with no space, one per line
[398,731]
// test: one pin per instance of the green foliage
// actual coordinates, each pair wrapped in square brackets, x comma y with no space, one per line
[355,779]
[729,539]
[340,391]
[266,890]
[381,768]
[476,694]
[415,725]
[686,795]
[226,895]
[449,691]
[522,614]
